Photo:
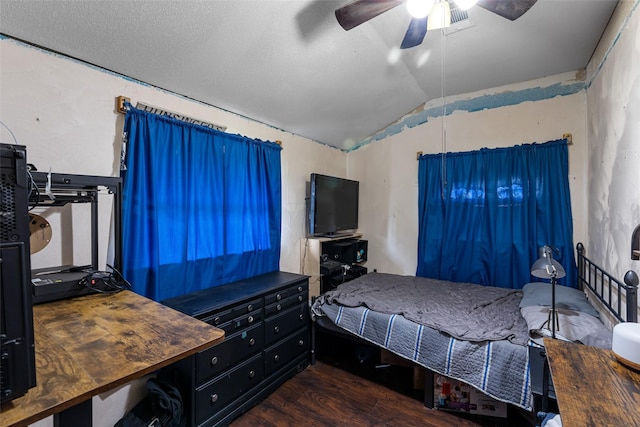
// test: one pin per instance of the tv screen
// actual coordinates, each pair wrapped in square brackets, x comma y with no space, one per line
[333,205]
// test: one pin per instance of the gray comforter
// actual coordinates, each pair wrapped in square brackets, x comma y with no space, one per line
[465,311]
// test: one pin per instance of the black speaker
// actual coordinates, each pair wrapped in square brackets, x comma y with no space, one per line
[347,251]
[331,281]
[17,351]
[358,270]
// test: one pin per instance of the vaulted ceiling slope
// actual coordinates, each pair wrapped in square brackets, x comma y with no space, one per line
[290,65]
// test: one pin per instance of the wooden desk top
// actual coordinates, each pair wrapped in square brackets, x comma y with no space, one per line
[88,345]
[592,387]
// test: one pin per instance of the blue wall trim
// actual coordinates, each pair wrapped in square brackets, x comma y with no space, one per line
[484,102]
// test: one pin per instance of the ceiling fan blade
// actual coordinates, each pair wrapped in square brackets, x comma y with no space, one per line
[360,11]
[510,9]
[415,33]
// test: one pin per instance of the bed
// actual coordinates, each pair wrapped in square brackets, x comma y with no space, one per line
[475,334]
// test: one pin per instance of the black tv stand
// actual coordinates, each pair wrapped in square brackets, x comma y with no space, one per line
[313,248]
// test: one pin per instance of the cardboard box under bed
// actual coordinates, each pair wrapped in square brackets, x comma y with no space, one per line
[454,395]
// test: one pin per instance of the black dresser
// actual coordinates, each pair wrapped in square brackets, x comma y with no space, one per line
[267,333]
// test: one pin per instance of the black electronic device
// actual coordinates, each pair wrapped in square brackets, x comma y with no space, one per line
[17,350]
[345,274]
[60,282]
[329,267]
[56,283]
[346,251]
[333,205]
[358,270]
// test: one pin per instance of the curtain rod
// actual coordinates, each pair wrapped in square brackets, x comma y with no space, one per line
[567,136]
[120,108]
[161,111]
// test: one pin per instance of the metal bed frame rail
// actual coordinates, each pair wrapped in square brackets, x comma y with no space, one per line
[606,287]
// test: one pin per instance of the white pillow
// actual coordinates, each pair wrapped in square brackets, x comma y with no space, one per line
[572,326]
[570,298]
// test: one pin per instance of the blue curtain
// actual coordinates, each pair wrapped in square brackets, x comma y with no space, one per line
[484,214]
[200,207]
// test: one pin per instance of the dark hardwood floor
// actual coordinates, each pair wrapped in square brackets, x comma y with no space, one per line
[324,395]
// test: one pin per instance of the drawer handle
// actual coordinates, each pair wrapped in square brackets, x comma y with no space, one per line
[250,319]
[278,297]
[276,329]
[214,360]
[278,307]
[214,398]
[276,358]
[252,341]
[250,307]
[301,316]
[300,298]
[216,320]
[252,374]
[299,288]
[301,343]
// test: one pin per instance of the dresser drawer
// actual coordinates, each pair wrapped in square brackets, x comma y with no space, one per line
[281,325]
[297,289]
[224,316]
[242,322]
[234,348]
[286,303]
[282,353]
[215,395]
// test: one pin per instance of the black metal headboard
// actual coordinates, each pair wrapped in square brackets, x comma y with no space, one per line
[607,288]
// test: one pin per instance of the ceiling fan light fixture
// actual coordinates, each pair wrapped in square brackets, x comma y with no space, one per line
[419,8]
[466,4]
[440,16]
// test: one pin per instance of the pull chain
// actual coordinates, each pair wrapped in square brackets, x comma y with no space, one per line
[444,111]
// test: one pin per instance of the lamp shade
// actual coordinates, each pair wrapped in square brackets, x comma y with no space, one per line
[466,4]
[440,16]
[546,267]
[419,8]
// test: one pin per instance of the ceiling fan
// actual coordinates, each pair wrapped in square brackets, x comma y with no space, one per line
[360,11]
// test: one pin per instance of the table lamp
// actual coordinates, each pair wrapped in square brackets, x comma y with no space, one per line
[548,268]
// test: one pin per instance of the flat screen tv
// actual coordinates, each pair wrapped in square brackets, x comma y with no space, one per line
[333,205]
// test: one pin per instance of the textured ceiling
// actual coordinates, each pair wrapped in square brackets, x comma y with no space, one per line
[290,65]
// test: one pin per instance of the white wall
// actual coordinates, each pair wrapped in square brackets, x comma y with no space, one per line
[613,134]
[388,169]
[63,111]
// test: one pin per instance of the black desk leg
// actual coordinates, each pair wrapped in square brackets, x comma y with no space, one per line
[313,333]
[545,385]
[428,388]
[313,342]
[79,415]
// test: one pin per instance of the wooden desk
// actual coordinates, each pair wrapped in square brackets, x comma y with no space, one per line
[592,388]
[88,345]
